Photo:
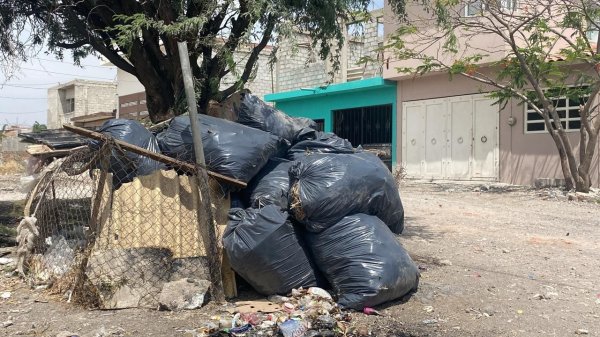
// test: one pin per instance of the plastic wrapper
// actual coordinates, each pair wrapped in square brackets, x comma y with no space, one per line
[127,165]
[311,141]
[264,248]
[271,185]
[255,113]
[230,148]
[364,263]
[324,188]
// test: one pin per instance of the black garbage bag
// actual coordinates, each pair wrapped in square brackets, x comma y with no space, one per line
[264,248]
[310,141]
[253,112]
[324,188]
[127,165]
[271,185]
[230,148]
[364,263]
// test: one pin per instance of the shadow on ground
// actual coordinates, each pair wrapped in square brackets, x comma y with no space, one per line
[10,214]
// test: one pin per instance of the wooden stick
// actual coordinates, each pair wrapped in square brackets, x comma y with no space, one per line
[153,155]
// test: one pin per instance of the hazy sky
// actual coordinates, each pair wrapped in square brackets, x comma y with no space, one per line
[23,99]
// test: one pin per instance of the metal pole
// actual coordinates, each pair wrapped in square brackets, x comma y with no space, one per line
[210,243]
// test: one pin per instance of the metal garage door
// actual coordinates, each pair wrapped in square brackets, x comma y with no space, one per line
[451,138]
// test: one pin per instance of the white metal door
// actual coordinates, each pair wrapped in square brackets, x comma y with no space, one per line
[413,142]
[485,138]
[460,139]
[451,138]
[435,139]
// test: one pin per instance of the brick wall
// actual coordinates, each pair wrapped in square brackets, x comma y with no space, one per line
[90,97]
[299,65]
[262,82]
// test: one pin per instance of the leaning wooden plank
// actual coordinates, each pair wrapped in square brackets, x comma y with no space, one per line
[155,156]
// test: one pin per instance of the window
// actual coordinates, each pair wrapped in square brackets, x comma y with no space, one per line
[567,109]
[356,30]
[70,105]
[477,7]
[380,27]
[364,125]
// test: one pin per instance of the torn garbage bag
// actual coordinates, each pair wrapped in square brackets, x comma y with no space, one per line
[255,113]
[264,249]
[271,185]
[311,141]
[127,165]
[364,263]
[324,188]
[230,148]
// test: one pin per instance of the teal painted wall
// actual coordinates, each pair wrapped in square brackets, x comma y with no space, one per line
[320,106]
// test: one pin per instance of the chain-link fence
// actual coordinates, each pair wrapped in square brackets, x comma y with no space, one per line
[111,238]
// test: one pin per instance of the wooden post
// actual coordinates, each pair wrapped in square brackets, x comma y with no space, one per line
[210,242]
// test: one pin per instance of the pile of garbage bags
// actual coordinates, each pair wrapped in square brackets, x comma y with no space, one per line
[317,212]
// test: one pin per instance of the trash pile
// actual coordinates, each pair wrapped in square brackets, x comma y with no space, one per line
[306,312]
[317,211]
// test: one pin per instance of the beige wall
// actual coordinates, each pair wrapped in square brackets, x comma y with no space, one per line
[90,97]
[127,84]
[523,157]
[491,46]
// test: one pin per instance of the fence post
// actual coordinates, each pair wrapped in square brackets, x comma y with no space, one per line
[210,242]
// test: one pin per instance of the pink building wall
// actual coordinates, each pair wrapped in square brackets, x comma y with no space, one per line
[523,157]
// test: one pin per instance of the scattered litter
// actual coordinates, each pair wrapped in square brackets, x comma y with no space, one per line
[582,332]
[304,313]
[258,306]
[430,321]
[5,295]
[371,311]
[428,309]
[8,323]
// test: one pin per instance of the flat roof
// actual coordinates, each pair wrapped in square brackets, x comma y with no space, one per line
[332,89]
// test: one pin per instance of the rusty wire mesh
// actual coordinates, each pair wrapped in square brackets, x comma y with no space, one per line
[112,239]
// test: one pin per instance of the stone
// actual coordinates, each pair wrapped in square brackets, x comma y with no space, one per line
[129,278]
[66,334]
[8,323]
[445,262]
[582,332]
[184,294]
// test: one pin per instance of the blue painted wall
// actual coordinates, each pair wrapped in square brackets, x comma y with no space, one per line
[318,103]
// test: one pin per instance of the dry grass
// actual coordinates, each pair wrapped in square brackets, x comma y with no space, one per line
[296,203]
[399,176]
[12,164]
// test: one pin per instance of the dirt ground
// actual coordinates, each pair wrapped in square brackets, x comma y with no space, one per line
[502,262]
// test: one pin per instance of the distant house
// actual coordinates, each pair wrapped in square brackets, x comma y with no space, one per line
[451,129]
[79,98]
